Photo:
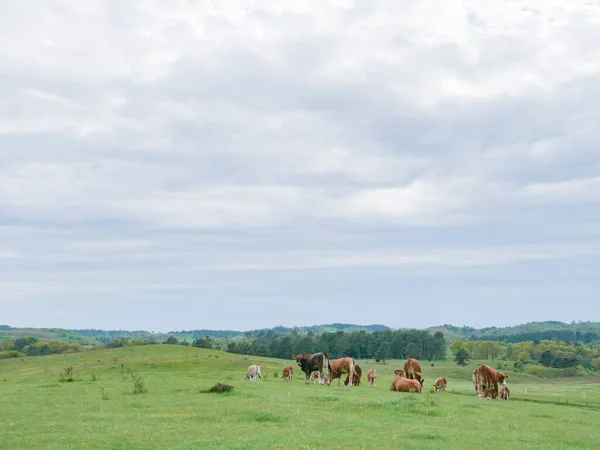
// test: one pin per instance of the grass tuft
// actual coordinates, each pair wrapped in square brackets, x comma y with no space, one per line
[218,388]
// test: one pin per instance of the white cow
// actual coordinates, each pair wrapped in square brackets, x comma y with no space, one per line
[253,372]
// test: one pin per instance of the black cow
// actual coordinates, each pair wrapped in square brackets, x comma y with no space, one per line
[316,361]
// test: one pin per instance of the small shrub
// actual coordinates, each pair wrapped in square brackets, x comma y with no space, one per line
[275,374]
[139,384]
[218,388]
[94,377]
[67,375]
[104,394]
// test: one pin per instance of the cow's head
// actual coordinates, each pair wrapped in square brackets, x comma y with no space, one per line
[300,358]
[502,378]
[399,372]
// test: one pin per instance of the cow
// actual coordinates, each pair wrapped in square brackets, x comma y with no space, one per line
[357,376]
[372,377]
[340,366]
[412,370]
[288,373]
[253,372]
[440,384]
[402,384]
[486,378]
[400,373]
[315,376]
[505,393]
[315,361]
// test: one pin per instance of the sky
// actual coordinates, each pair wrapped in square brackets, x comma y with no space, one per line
[247,164]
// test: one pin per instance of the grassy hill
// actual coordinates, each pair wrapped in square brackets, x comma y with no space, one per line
[98,409]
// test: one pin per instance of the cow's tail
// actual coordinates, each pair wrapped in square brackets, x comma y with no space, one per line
[258,372]
[326,368]
[475,382]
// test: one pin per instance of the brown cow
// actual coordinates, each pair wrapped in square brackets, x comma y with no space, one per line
[372,377]
[412,370]
[402,384]
[315,376]
[505,393]
[400,373]
[288,373]
[486,380]
[340,366]
[357,376]
[315,361]
[440,384]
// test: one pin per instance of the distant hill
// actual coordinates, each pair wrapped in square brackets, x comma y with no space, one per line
[317,329]
[528,331]
[586,331]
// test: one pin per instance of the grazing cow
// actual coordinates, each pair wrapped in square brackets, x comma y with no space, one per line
[440,384]
[486,380]
[356,378]
[402,384]
[253,372]
[316,361]
[372,377]
[412,369]
[315,376]
[288,373]
[340,366]
[505,393]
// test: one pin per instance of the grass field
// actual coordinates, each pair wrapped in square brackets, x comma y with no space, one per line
[99,411]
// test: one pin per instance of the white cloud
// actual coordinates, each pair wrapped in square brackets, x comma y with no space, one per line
[162,136]
[408,257]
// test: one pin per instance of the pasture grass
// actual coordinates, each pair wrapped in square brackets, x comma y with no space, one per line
[99,410]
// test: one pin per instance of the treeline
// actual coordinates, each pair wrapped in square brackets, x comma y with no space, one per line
[32,346]
[585,337]
[548,353]
[380,345]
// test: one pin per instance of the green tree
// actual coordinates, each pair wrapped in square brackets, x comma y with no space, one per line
[462,357]
[547,358]
[171,340]
[203,342]
[383,352]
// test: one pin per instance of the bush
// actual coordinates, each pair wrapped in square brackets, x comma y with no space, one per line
[218,388]
[10,354]
[67,375]
[551,372]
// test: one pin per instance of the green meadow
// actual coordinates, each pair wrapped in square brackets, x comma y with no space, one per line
[98,409]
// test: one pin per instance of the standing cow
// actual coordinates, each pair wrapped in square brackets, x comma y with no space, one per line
[316,361]
[356,378]
[253,373]
[340,366]
[372,377]
[440,384]
[288,373]
[412,370]
[486,380]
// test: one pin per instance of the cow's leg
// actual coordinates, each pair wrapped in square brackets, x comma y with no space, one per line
[307,377]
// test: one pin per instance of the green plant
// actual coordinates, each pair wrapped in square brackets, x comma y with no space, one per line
[218,388]
[67,374]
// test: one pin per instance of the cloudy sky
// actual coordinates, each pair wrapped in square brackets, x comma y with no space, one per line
[245,164]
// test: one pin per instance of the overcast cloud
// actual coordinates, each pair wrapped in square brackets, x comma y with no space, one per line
[245,164]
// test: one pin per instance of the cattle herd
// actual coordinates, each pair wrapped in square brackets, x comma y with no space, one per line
[318,366]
